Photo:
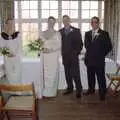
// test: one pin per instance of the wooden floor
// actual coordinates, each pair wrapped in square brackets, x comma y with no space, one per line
[86,108]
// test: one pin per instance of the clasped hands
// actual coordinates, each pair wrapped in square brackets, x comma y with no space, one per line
[11,55]
[46,50]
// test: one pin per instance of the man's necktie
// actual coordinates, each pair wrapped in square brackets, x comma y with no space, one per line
[93,35]
[67,30]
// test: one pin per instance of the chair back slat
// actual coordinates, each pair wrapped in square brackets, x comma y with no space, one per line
[15,88]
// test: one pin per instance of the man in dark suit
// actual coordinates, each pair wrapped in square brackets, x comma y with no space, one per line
[98,45]
[71,48]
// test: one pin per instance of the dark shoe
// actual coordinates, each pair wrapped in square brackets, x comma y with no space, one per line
[102,97]
[68,92]
[89,92]
[78,95]
[102,94]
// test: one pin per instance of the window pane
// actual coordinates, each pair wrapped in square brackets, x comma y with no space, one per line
[85,27]
[102,5]
[94,5]
[102,14]
[16,27]
[25,14]
[93,13]
[33,35]
[29,27]
[45,13]
[25,27]
[74,24]
[45,4]
[73,13]
[30,32]
[16,14]
[65,12]
[74,5]
[16,5]
[85,4]
[69,4]
[34,27]
[44,26]
[33,14]
[25,37]
[54,13]
[34,4]
[102,25]
[53,4]
[65,5]
[85,14]
[25,4]
[56,26]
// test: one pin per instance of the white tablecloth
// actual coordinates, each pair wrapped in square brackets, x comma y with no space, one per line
[31,73]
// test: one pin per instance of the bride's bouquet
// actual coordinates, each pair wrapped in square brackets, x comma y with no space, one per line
[35,45]
[5,51]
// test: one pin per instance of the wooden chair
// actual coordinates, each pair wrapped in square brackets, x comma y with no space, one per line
[114,81]
[1,105]
[19,103]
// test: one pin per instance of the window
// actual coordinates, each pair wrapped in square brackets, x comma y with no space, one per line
[70,8]
[49,8]
[29,9]
[31,16]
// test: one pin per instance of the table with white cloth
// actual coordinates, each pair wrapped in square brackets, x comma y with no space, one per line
[31,73]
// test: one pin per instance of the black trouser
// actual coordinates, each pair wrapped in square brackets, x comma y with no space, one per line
[72,72]
[99,72]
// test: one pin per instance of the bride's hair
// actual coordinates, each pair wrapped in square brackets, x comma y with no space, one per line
[51,17]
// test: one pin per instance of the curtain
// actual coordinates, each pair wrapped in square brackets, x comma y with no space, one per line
[111,24]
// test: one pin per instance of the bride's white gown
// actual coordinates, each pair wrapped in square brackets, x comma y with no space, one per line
[12,64]
[50,65]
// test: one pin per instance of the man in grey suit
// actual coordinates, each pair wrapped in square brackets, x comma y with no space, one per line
[71,48]
[98,45]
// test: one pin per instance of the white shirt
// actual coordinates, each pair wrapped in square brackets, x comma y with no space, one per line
[94,32]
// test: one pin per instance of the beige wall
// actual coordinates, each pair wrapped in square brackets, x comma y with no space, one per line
[111,23]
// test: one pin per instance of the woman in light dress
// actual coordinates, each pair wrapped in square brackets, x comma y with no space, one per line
[10,39]
[50,59]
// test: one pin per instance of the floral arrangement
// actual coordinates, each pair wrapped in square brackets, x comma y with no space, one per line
[35,45]
[5,51]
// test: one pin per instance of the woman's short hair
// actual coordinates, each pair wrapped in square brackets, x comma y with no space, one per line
[51,17]
[66,16]
[97,18]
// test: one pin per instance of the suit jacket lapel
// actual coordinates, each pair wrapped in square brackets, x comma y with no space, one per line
[90,35]
[71,30]
[97,36]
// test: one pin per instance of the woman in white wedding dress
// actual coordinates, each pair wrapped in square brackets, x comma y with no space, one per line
[10,39]
[50,59]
